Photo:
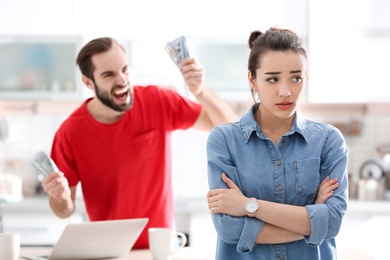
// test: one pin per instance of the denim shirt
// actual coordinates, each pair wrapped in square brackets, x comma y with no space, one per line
[288,173]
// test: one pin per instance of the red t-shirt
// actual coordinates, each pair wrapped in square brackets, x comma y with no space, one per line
[125,167]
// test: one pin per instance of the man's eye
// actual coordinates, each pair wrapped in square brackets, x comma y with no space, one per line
[107,75]
[126,70]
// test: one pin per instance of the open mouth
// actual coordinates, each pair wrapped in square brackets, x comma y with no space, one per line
[121,94]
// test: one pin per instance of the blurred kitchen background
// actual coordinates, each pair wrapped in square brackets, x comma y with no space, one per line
[348,87]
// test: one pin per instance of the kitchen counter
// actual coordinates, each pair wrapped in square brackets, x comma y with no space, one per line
[36,251]
[359,234]
[355,207]
[359,207]
[188,205]
[362,229]
[36,204]
[187,253]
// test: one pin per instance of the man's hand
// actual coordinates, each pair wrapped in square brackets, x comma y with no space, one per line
[56,186]
[193,74]
[227,201]
[326,190]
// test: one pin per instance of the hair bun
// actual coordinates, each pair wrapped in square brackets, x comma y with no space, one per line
[254,35]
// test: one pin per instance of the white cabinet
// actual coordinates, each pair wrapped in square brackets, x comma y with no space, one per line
[349,51]
[36,223]
[148,26]
[39,67]
[194,219]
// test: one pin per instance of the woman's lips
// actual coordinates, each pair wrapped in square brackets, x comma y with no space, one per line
[284,105]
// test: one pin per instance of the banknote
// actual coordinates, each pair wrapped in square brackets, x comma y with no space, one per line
[44,164]
[178,50]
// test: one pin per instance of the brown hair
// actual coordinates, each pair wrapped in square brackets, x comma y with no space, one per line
[274,39]
[94,46]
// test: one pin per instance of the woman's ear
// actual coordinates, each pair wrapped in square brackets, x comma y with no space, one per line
[251,80]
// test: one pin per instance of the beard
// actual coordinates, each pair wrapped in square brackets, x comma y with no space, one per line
[105,98]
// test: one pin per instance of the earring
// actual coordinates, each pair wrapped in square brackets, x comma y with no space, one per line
[257,97]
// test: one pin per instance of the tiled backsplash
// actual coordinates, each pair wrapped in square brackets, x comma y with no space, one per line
[31,132]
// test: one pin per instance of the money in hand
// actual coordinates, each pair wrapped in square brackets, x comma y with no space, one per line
[44,164]
[178,50]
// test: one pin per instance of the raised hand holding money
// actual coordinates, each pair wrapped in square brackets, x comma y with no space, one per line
[44,164]
[193,74]
[178,50]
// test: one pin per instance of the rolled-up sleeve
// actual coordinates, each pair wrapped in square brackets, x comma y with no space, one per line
[232,230]
[319,218]
[238,230]
[251,229]
[326,218]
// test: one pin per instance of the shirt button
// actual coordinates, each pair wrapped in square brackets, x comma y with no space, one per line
[279,187]
[284,140]
[277,162]
[281,257]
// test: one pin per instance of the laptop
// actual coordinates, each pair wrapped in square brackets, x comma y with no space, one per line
[96,239]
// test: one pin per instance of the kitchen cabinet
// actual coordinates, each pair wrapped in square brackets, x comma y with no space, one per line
[129,21]
[39,68]
[191,214]
[36,223]
[349,52]
[225,62]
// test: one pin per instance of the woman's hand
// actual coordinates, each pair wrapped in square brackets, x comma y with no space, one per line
[227,201]
[231,201]
[326,190]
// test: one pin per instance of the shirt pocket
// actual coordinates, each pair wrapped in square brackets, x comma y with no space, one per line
[146,144]
[307,177]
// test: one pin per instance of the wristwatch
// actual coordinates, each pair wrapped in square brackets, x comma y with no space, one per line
[251,207]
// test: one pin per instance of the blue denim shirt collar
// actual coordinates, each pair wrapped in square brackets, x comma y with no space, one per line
[248,125]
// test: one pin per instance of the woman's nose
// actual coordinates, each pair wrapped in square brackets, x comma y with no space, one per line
[284,90]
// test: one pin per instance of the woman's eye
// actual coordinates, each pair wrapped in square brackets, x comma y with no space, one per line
[297,79]
[272,80]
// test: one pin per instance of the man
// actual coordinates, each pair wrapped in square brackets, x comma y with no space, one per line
[117,144]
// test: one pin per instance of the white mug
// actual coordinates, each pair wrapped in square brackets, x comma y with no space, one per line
[164,242]
[9,246]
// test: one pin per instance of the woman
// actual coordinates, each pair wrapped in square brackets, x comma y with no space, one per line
[266,170]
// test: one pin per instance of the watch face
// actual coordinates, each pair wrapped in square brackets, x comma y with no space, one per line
[251,206]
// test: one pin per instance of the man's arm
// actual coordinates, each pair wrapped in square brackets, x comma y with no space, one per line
[215,111]
[61,196]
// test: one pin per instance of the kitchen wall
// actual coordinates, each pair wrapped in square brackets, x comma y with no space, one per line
[31,127]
